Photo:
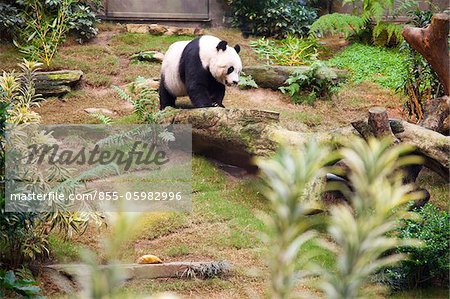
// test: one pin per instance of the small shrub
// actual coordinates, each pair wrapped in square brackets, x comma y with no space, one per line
[306,87]
[277,18]
[290,51]
[144,99]
[10,19]
[83,21]
[429,264]
[247,82]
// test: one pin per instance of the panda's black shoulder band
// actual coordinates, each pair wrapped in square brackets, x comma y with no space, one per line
[222,45]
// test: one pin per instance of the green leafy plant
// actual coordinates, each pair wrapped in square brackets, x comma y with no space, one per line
[10,20]
[275,18]
[24,234]
[287,185]
[10,284]
[307,86]
[361,236]
[246,82]
[289,51]
[338,23]
[144,99]
[83,20]
[104,119]
[427,265]
[366,20]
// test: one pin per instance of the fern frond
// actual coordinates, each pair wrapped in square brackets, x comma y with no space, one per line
[337,23]
[104,119]
[122,94]
[390,30]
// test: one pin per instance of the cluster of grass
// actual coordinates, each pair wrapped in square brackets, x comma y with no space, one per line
[290,51]
[369,63]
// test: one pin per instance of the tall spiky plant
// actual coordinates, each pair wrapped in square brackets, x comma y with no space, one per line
[362,242]
[288,178]
[379,200]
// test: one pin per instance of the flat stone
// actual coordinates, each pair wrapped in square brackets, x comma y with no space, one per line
[100,111]
[138,28]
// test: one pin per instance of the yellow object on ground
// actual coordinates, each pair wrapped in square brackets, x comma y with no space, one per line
[149,259]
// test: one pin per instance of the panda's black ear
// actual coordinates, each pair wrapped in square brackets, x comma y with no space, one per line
[222,45]
[237,48]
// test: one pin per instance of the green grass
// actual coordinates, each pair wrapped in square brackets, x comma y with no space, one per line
[305,117]
[370,63]
[9,57]
[179,250]
[64,251]
[130,43]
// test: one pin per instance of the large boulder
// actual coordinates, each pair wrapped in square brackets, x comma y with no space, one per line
[57,83]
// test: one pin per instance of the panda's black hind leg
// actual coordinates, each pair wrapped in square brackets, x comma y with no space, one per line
[166,99]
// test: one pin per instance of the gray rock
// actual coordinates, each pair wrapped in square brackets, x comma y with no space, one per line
[100,111]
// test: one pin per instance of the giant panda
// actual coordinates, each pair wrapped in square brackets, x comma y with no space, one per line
[199,69]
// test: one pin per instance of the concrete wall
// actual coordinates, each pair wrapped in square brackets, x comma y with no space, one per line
[153,11]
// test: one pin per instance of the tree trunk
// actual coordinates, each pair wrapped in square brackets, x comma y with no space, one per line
[432,43]
[57,83]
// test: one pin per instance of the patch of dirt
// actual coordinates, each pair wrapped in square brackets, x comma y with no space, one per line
[103,37]
[70,109]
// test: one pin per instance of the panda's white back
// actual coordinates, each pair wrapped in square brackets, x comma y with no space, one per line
[170,69]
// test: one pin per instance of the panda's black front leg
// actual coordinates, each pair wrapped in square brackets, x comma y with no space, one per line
[199,95]
[217,94]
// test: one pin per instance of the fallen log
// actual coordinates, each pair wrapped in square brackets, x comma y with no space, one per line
[273,77]
[235,136]
[148,271]
[57,83]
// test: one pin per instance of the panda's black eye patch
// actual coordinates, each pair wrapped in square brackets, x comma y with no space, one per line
[230,70]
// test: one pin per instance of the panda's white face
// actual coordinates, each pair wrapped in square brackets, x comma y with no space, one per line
[223,61]
[228,67]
